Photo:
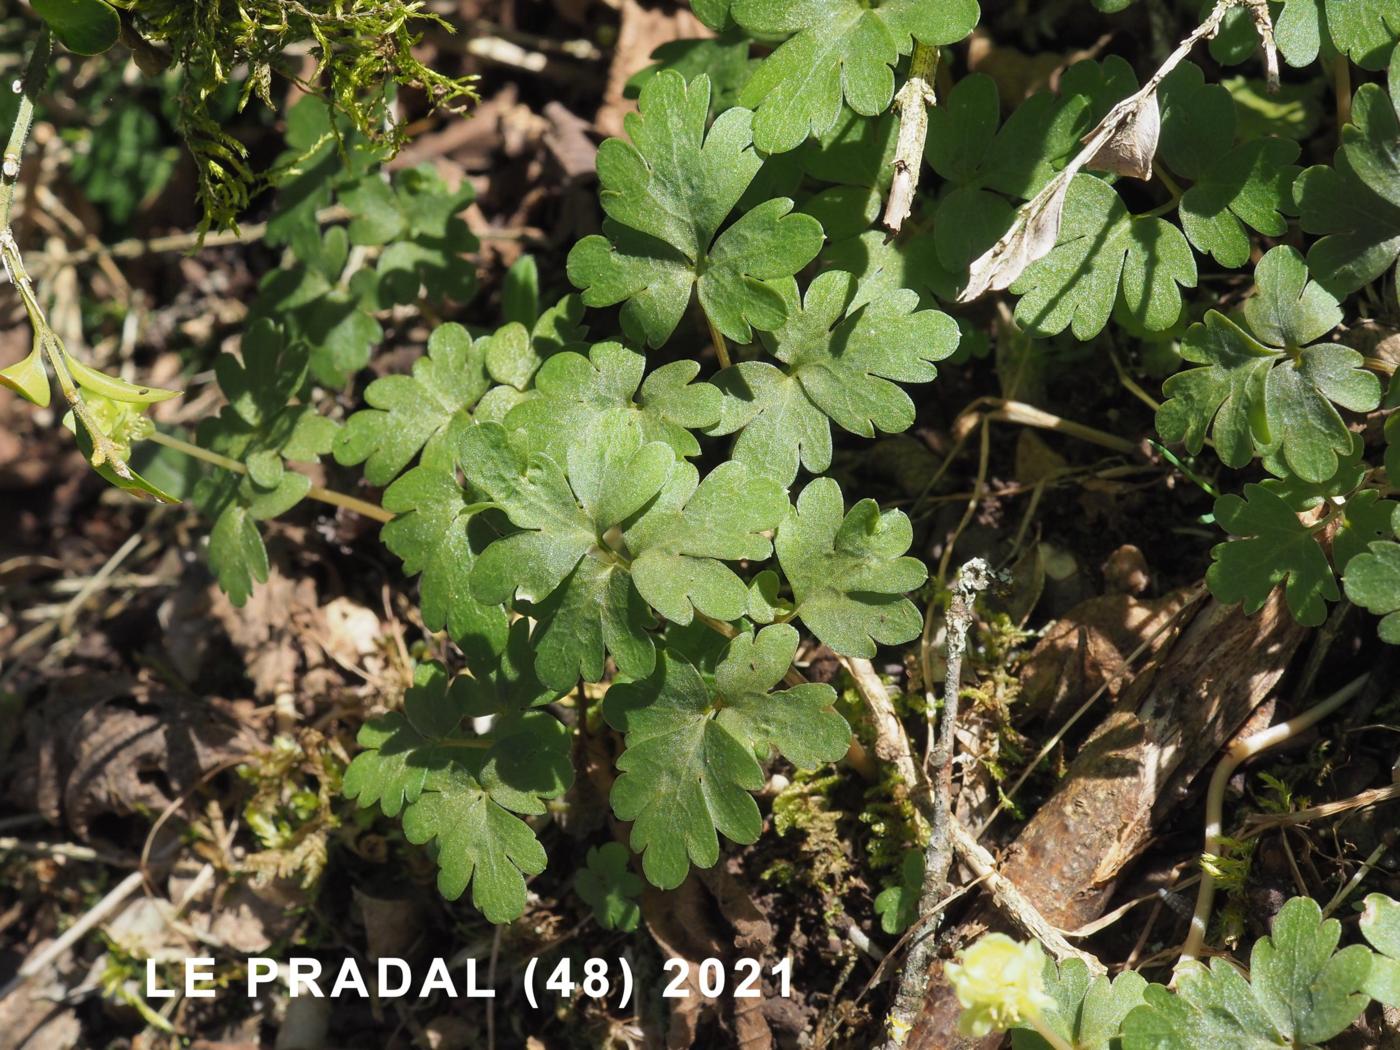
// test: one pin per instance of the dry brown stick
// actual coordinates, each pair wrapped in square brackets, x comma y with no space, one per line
[974,577]
[1168,725]
[46,956]
[1014,903]
[1262,822]
[892,745]
[911,104]
[934,802]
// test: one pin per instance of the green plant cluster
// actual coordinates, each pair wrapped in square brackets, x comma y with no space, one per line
[581,504]
[1300,992]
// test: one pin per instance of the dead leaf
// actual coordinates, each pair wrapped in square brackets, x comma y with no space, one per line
[1035,460]
[680,922]
[1086,648]
[642,31]
[1126,571]
[1132,145]
[249,917]
[569,143]
[269,628]
[105,746]
[1032,235]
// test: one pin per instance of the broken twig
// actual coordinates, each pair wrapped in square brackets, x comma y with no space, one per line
[911,104]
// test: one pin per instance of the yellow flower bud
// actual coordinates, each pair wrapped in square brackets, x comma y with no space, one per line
[999,982]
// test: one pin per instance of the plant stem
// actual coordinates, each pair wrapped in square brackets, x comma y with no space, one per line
[28,88]
[1341,86]
[911,104]
[1239,753]
[1048,1035]
[316,492]
[721,347]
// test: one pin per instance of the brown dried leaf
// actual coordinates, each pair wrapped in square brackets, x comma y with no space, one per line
[641,32]
[1132,145]
[1086,649]
[1031,237]
[683,927]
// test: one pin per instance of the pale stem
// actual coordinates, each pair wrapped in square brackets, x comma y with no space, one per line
[1240,752]
[336,499]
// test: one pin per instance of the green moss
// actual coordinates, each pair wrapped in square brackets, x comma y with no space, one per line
[361,51]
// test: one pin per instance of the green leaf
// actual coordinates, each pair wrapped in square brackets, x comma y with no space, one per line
[323,152]
[723,58]
[514,354]
[1088,1012]
[1365,518]
[85,27]
[129,162]
[560,561]
[1373,582]
[1301,992]
[572,392]
[608,886]
[398,748]
[425,412]
[1356,203]
[838,50]
[385,771]
[1214,1008]
[416,221]
[680,543]
[1198,122]
[880,264]
[462,790]
[984,164]
[898,905]
[848,359]
[520,292]
[689,762]
[777,424]
[513,686]
[1247,187]
[667,193]
[1270,392]
[1364,30]
[1380,925]
[1105,256]
[1308,990]
[434,533]
[1274,548]
[262,430]
[847,575]
[237,556]
[337,325]
[480,843]
[842,363]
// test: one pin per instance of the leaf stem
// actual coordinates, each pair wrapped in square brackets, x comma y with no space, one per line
[721,347]
[1046,1033]
[1239,753]
[316,492]
[28,89]
[1341,86]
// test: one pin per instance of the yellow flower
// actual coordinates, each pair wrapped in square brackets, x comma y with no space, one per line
[121,422]
[999,982]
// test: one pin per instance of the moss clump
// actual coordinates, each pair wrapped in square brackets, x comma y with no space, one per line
[361,48]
